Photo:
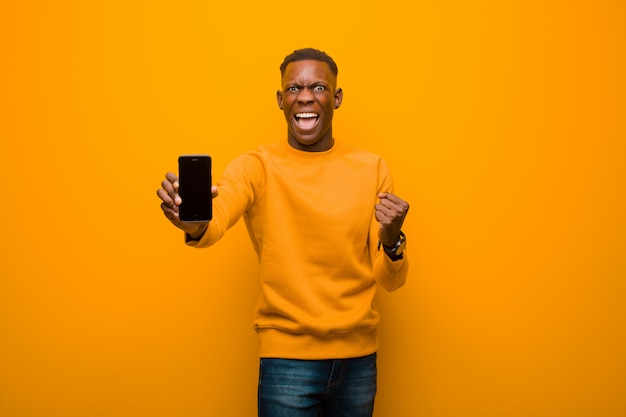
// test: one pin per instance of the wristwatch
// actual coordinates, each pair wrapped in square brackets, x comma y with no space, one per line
[395,251]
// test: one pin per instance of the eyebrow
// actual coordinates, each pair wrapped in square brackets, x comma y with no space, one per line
[313,84]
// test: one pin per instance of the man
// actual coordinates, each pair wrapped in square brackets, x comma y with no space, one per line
[327,229]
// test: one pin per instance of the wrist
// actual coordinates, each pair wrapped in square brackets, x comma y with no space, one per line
[197,232]
[394,250]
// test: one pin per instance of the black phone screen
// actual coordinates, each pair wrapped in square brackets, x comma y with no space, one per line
[194,188]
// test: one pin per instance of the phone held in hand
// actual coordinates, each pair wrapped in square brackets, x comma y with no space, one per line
[194,188]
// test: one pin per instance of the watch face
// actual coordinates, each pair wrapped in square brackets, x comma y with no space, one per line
[401,244]
[400,247]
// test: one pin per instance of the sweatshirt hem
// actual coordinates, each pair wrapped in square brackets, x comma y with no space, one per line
[276,343]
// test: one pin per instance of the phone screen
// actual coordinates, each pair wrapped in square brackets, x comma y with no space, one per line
[194,179]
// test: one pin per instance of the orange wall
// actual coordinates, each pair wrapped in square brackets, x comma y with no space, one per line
[504,125]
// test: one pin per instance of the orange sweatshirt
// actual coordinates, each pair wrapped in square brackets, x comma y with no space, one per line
[310,217]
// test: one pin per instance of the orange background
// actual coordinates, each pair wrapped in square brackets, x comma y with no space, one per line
[504,126]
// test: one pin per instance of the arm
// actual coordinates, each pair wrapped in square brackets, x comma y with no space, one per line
[390,214]
[241,182]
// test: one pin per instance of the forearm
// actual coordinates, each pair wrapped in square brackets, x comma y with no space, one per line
[389,274]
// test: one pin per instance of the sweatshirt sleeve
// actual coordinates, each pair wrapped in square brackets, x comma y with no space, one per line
[389,274]
[238,188]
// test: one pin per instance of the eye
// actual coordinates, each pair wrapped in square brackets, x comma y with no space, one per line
[319,88]
[292,89]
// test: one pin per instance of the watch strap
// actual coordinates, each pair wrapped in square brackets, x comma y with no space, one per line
[395,252]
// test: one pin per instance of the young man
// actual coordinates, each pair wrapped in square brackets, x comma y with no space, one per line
[327,229]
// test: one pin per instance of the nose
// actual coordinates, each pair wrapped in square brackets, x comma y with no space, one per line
[305,96]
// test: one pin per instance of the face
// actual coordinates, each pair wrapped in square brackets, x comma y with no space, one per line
[308,98]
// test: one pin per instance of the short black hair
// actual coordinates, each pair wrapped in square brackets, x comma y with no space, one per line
[309,53]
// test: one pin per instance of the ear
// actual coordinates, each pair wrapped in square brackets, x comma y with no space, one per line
[338,97]
[279,99]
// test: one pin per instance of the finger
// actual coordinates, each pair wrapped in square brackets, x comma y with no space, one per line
[168,194]
[165,197]
[384,211]
[170,185]
[389,208]
[173,178]
[385,215]
[382,218]
[394,199]
[395,203]
[391,197]
[170,213]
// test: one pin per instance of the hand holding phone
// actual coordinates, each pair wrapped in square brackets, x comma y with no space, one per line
[194,179]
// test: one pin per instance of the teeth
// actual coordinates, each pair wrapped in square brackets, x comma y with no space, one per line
[306,115]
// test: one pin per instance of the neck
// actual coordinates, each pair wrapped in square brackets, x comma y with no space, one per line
[323,144]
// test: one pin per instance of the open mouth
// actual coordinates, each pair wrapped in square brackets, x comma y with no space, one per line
[306,120]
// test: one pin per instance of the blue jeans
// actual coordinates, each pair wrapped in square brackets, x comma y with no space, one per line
[317,388]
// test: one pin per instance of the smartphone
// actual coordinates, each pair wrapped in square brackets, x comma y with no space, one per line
[194,188]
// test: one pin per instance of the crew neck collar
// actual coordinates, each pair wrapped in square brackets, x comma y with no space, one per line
[306,154]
